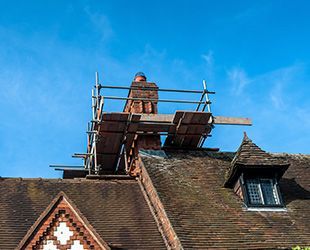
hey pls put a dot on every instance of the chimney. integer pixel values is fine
(148, 93)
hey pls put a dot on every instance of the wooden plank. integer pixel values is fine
(106, 144)
(170, 118)
(162, 118)
(196, 139)
(107, 157)
(202, 118)
(177, 116)
(154, 127)
(107, 161)
(190, 128)
(187, 118)
(132, 128)
(115, 116)
(185, 140)
(112, 132)
(171, 139)
(182, 127)
(109, 143)
(186, 128)
(111, 126)
(222, 120)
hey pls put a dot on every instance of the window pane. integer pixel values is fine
(269, 192)
(254, 192)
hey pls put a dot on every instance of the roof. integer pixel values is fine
(249, 156)
(116, 209)
(204, 214)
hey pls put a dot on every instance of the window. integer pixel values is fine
(262, 192)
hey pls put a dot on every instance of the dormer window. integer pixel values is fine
(262, 192)
(254, 176)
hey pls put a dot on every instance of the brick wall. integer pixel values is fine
(150, 141)
(137, 91)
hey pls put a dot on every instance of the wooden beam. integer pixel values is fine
(222, 120)
(165, 118)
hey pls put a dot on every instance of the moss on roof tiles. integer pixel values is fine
(204, 214)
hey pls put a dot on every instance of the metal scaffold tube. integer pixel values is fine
(154, 100)
(156, 89)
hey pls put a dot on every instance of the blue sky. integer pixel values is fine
(254, 54)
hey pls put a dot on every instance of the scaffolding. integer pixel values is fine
(112, 136)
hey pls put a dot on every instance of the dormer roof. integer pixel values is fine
(250, 156)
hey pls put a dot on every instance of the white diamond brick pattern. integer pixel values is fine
(49, 245)
(77, 245)
(63, 233)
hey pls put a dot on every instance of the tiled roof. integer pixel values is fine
(251, 155)
(116, 209)
(204, 214)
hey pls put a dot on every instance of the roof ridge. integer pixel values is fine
(289, 154)
(61, 180)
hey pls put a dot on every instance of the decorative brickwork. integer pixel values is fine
(144, 90)
(61, 227)
(139, 90)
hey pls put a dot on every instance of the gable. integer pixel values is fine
(61, 226)
(116, 208)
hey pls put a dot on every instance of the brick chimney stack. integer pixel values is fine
(139, 89)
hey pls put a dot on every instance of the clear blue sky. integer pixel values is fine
(254, 54)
